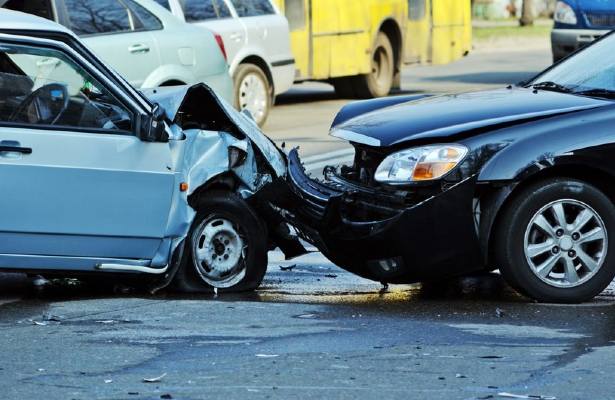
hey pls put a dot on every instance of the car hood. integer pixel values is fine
(212, 107)
(594, 5)
(444, 117)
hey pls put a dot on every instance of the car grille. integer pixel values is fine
(603, 20)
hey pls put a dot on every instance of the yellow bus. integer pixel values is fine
(359, 46)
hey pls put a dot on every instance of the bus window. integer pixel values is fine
(416, 9)
(295, 13)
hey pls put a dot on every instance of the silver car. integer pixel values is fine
(97, 178)
(257, 42)
(141, 40)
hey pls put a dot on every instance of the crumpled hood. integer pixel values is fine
(443, 117)
(174, 98)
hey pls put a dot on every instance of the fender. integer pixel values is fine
(247, 52)
(356, 108)
(576, 144)
(169, 72)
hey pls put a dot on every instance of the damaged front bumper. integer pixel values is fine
(381, 235)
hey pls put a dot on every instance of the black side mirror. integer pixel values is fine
(152, 125)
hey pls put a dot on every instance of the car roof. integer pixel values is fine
(15, 20)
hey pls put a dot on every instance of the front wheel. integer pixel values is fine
(553, 241)
(226, 247)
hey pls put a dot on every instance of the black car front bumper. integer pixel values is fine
(378, 235)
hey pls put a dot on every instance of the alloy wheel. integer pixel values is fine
(565, 243)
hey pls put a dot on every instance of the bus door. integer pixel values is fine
(351, 41)
(451, 30)
(418, 32)
(298, 14)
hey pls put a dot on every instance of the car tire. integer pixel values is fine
(378, 83)
(226, 247)
(253, 92)
(552, 242)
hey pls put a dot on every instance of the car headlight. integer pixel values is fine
(564, 14)
(420, 163)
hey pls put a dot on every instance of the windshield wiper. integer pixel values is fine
(552, 86)
(605, 93)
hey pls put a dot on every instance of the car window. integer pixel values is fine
(44, 87)
(592, 69)
(295, 13)
(416, 9)
(147, 20)
(252, 8)
(164, 3)
(202, 10)
(90, 17)
(40, 8)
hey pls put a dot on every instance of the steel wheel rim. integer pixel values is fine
(380, 66)
(219, 251)
(565, 243)
(253, 95)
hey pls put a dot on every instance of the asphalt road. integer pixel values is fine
(313, 331)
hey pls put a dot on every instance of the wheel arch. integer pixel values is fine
(226, 181)
(173, 82)
(497, 197)
(391, 29)
(262, 64)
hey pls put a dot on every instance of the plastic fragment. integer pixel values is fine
(526, 396)
(154, 380)
(267, 355)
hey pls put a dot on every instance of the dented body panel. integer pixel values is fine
(427, 230)
(119, 194)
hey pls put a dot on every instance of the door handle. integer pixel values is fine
(16, 149)
(138, 48)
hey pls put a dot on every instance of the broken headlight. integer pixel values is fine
(420, 163)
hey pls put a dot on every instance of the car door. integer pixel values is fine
(217, 17)
(116, 34)
(265, 28)
(76, 181)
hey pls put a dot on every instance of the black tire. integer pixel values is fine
(510, 240)
(229, 207)
(378, 83)
(243, 70)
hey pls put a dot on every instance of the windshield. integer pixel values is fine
(592, 71)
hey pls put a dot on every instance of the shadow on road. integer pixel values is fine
(322, 93)
(485, 77)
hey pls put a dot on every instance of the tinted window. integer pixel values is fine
(41, 86)
(201, 10)
(164, 3)
(40, 8)
(416, 9)
(252, 8)
(295, 13)
(148, 21)
(90, 17)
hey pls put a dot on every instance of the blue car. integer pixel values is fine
(578, 23)
(97, 177)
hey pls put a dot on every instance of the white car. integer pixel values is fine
(257, 41)
(140, 39)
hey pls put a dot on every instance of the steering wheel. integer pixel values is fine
(49, 101)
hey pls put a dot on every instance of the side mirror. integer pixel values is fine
(152, 125)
